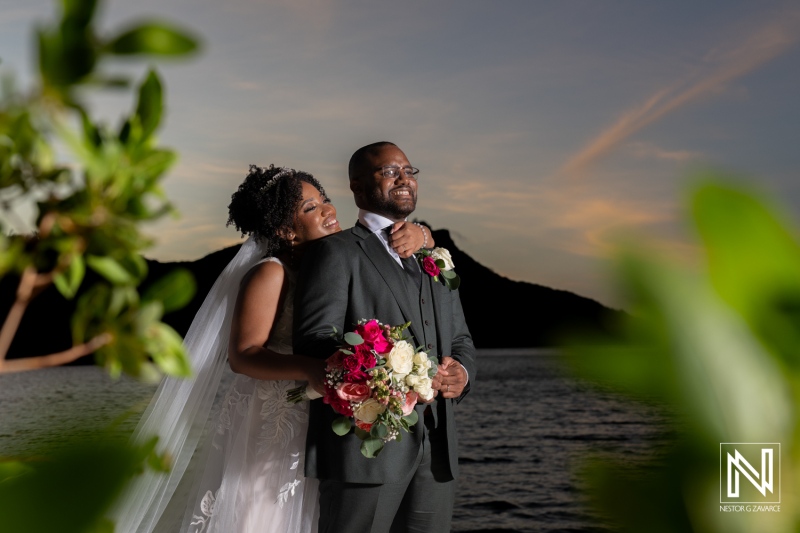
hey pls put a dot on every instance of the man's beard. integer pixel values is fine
(388, 208)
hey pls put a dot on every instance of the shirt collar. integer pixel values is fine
(373, 221)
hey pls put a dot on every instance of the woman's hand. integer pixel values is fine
(315, 375)
(406, 238)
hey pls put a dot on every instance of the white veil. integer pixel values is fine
(180, 407)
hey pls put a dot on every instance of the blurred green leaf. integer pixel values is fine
(150, 103)
(78, 13)
(110, 269)
(68, 282)
(174, 290)
(166, 348)
(76, 483)
(153, 38)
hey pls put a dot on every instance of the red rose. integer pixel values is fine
(353, 392)
(363, 425)
(351, 363)
(340, 406)
(366, 356)
(411, 401)
(429, 266)
(357, 376)
(373, 335)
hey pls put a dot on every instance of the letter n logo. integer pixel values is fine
(750, 472)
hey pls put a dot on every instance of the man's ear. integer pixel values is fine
(356, 187)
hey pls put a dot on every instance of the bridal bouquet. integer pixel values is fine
(374, 381)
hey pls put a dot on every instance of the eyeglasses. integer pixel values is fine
(393, 172)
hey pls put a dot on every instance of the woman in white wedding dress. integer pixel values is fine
(243, 464)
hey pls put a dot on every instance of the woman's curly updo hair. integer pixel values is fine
(266, 202)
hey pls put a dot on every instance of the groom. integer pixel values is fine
(356, 275)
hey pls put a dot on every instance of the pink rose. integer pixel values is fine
(372, 333)
(353, 392)
(429, 266)
(411, 401)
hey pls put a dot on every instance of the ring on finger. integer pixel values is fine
(448, 388)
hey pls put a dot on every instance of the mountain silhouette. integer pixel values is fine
(501, 313)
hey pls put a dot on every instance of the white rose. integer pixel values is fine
(420, 358)
(424, 390)
(369, 410)
(444, 255)
(400, 359)
(412, 380)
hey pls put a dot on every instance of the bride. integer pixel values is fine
(247, 476)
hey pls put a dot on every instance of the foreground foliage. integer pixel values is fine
(716, 347)
(91, 186)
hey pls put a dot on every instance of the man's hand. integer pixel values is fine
(451, 378)
(406, 238)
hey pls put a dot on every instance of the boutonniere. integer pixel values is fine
(437, 262)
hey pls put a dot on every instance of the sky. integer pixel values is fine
(542, 130)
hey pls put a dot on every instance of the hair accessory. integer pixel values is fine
(272, 180)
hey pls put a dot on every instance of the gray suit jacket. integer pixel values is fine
(346, 277)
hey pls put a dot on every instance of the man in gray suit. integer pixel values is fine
(353, 275)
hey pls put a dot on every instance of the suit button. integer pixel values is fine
(423, 300)
(427, 323)
(430, 346)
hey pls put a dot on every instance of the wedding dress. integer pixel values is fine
(237, 466)
(253, 476)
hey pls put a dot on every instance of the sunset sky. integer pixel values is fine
(542, 129)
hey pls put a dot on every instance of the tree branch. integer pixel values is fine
(56, 359)
(27, 283)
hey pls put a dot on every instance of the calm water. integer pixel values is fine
(522, 430)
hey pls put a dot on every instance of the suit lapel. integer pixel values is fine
(392, 275)
(442, 333)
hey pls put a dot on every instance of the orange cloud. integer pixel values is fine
(762, 46)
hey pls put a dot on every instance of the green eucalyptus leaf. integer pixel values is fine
(452, 283)
(448, 274)
(155, 38)
(353, 339)
(379, 430)
(411, 419)
(371, 447)
(341, 426)
(360, 433)
(174, 290)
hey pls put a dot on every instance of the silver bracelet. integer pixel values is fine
(424, 234)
